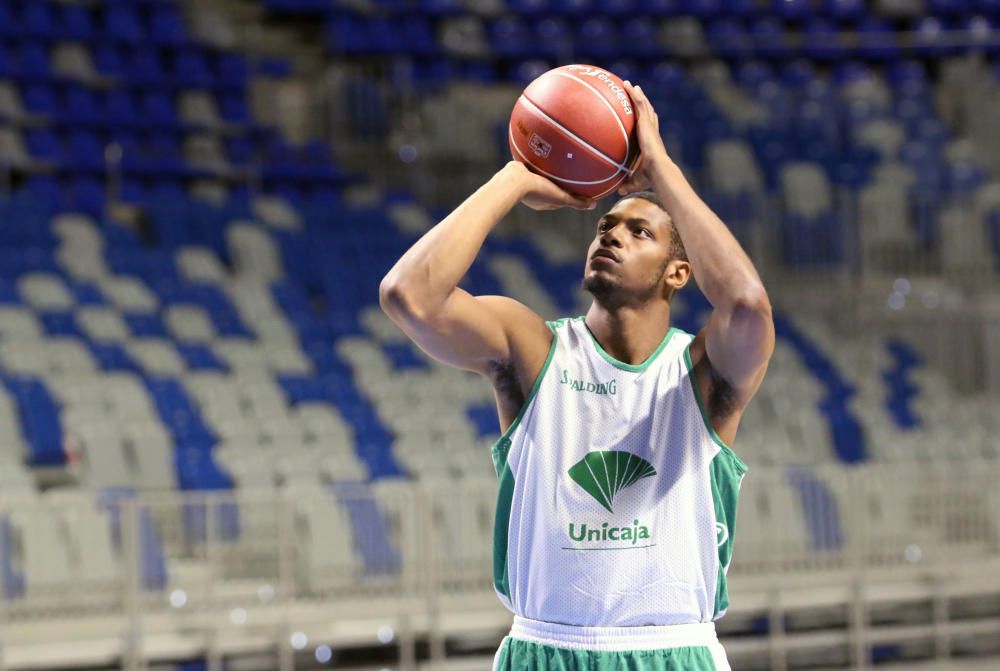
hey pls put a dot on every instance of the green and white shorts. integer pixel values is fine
(544, 646)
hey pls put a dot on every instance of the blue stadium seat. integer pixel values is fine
(844, 10)
(597, 39)
(121, 24)
(158, 109)
(877, 40)
(769, 38)
(233, 109)
(166, 27)
(8, 21)
(40, 100)
(43, 145)
(191, 69)
(232, 71)
(33, 58)
(37, 20)
(793, 10)
(84, 152)
(60, 323)
(510, 36)
(822, 40)
(112, 357)
(40, 421)
(108, 61)
(80, 107)
(86, 195)
(578, 8)
(120, 108)
(528, 7)
(146, 68)
(75, 22)
(729, 38)
(639, 37)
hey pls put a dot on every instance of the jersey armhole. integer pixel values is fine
(703, 409)
(500, 447)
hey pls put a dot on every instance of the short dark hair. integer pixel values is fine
(677, 250)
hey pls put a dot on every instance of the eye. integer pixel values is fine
(603, 225)
(645, 231)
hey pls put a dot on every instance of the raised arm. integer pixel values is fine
(421, 294)
(739, 337)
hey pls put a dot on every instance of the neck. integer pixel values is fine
(630, 334)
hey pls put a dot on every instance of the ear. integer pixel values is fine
(677, 274)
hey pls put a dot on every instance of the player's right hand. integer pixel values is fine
(541, 193)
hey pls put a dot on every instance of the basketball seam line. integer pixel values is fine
(594, 150)
(513, 143)
(628, 145)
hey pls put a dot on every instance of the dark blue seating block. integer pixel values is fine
(793, 10)
(844, 10)
(86, 293)
(33, 60)
(145, 325)
(60, 323)
(877, 40)
(40, 100)
(233, 109)
(145, 68)
(8, 22)
(43, 145)
(81, 108)
(231, 71)
(191, 69)
(484, 417)
(121, 23)
(770, 39)
(575, 8)
(597, 39)
(109, 61)
(84, 152)
(113, 357)
(75, 22)
(729, 38)
(702, 8)
(823, 41)
(9, 295)
(38, 20)
(40, 422)
(166, 27)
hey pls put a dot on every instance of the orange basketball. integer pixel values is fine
(576, 125)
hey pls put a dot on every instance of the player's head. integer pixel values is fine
(637, 255)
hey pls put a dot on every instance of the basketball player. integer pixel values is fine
(617, 500)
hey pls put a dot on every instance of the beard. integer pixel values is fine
(609, 292)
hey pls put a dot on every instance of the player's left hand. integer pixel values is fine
(652, 152)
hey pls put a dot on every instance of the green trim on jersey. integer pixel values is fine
(704, 410)
(501, 526)
(499, 449)
(630, 367)
(518, 655)
(505, 494)
(726, 473)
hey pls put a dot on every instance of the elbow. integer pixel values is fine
(396, 301)
(753, 300)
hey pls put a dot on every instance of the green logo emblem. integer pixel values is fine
(604, 474)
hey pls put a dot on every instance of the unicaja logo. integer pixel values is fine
(604, 474)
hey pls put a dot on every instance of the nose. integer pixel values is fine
(609, 238)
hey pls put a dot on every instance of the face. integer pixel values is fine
(629, 260)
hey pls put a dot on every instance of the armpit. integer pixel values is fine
(721, 397)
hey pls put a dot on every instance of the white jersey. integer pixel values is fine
(617, 500)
